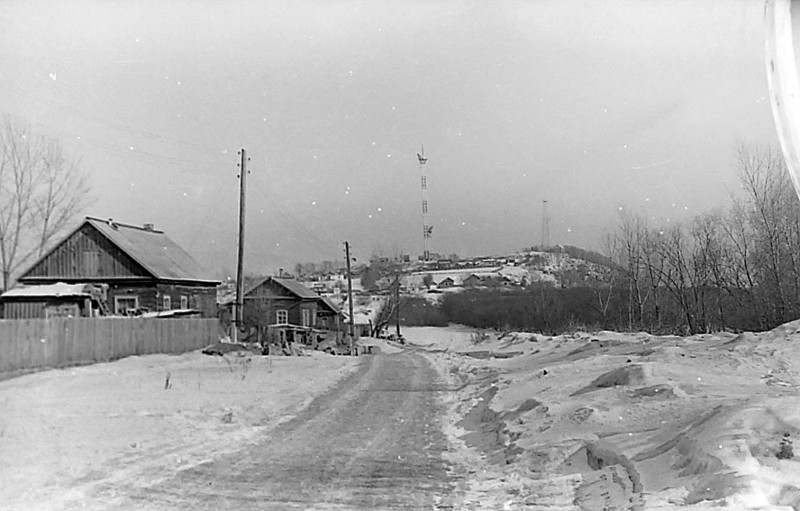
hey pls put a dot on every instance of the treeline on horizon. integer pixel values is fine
(730, 269)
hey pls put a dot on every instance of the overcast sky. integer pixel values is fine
(590, 105)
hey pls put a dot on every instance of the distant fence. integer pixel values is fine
(38, 343)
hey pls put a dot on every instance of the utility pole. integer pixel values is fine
(239, 304)
(397, 304)
(349, 294)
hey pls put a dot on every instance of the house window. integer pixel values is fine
(184, 302)
(167, 302)
(124, 305)
(282, 317)
(306, 317)
(91, 262)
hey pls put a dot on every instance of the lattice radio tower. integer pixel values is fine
(545, 226)
(427, 229)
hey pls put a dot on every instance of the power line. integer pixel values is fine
(110, 124)
(70, 137)
(317, 244)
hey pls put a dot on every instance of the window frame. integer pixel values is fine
(282, 313)
(121, 298)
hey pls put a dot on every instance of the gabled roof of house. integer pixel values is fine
(291, 285)
(151, 248)
(329, 303)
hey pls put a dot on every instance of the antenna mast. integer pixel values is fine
(545, 226)
(427, 230)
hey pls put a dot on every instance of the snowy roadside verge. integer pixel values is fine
(607, 420)
(65, 432)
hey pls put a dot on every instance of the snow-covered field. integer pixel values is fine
(623, 421)
(65, 432)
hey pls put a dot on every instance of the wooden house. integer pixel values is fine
(287, 311)
(141, 269)
(446, 282)
(281, 301)
(488, 279)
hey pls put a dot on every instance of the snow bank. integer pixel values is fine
(595, 420)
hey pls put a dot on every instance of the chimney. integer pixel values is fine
(148, 227)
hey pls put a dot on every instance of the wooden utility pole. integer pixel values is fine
(349, 294)
(397, 304)
(239, 304)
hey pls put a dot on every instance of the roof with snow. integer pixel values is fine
(59, 289)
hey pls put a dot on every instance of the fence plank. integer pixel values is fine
(56, 342)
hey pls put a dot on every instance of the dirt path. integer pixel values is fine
(374, 442)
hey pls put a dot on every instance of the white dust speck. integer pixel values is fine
(131, 148)
(379, 210)
(313, 203)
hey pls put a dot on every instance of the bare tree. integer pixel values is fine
(763, 176)
(41, 191)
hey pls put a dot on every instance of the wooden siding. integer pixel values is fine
(33, 309)
(147, 296)
(23, 310)
(87, 255)
(203, 299)
(40, 343)
(264, 310)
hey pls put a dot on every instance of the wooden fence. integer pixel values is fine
(37, 343)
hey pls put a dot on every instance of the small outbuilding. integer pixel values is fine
(58, 300)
